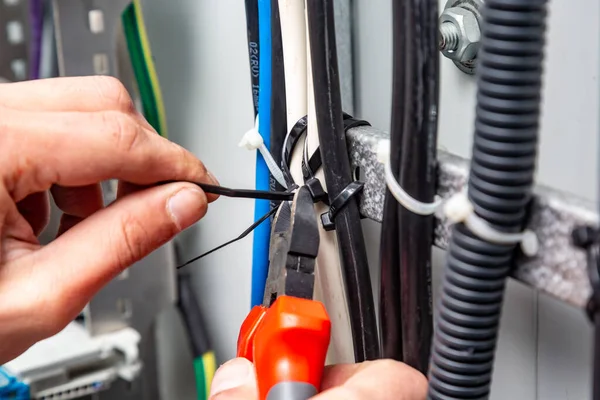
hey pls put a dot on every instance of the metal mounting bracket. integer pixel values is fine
(560, 267)
(90, 41)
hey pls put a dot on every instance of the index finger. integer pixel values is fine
(88, 93)
(81, 148)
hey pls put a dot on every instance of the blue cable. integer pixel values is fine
(260, 248)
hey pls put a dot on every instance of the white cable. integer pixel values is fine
(406, 200)
(329, 285)
(458, 208)
(293, 37)
(252, 140)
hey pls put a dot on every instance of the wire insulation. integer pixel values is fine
(390, 310)
(329, 285)
(195, 327)
(278, 93)
(143, 67)
(260, 246)
(253, 49)
(418, 162)
(336, 165)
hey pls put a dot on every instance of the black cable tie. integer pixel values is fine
(316, 190)
(240, 193)
(289, 143)
(350, 123)
(240, 237)
(315, 162)
(328, 218)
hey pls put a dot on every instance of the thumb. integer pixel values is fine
(89, 255)
(234, 380)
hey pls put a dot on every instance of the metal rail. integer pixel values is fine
(559, 269)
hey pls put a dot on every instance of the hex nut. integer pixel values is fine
(469, 33)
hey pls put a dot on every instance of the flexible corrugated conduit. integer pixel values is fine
(502, 171)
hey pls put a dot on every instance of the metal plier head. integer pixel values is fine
(293, 249)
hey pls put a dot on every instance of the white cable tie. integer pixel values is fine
(406, 200)
(458, 208)
(252, 140)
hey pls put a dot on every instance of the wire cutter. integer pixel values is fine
(287, 337)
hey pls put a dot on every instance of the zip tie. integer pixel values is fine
(252, 140)
(406, 200)
(459, 208)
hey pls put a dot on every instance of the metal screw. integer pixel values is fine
(449, 36)
(459, 32)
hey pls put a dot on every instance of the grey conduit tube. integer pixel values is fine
(501, 177)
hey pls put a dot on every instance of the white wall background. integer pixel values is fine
(200, 51)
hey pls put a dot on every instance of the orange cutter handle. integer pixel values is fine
(287, 342)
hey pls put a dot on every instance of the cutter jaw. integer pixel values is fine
(293, 249)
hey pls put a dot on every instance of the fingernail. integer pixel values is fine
(212, 178)
(186, 207)
(232, 374)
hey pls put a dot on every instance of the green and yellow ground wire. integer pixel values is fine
(154, 111)
(204, 370)
(143, 67)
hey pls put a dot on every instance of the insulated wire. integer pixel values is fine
(205, 367)
(260, 246)
(418, 177)
(329, 286)
(336, 165)
(293, 34)
(253, 49)
(390, 311)
(596, 365)
(143, 67)
(203, 356)
(278, 101)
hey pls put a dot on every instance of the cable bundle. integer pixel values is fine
(406, 315)
(502, 171)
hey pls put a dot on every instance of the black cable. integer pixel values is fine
(336, 167)
(241, 236)
(390, 310)
(253, 48)
(596, 376)
(190, 312)
(278, 103)
(502, 169)
(418, 176)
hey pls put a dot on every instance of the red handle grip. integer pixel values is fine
(287, 342)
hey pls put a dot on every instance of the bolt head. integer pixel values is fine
(469, 33)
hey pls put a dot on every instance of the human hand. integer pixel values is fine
(372, 380)
(65, 136)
